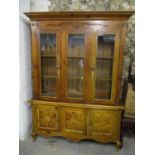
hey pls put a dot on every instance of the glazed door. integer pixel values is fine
(74, 51)
(49, 64)
(103, 67)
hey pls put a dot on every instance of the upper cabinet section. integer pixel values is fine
(78, 56)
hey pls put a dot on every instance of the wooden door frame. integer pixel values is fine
(37, 62)
(64, 69)
(115, 69)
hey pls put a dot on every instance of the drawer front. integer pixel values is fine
(73, 120)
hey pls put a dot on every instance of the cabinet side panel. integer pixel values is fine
(34, 59)
(120, 63)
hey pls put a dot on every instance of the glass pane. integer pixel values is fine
(75, 67)
(48, 44)
(103, 89)
(105, 45)
(76, 45)
(48, 64)
(104, 66)
(76, 48)
(48, 86)
(75, 87)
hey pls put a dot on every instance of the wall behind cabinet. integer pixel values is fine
(25, 89)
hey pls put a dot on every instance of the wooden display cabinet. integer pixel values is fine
(77, 62)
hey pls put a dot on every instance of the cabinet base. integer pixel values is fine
(77, 122)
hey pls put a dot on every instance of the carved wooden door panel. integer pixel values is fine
(101, 123)
(73, 121)
(47, 118)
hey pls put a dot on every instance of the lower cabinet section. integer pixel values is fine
(100, 123)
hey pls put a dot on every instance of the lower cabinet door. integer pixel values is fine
(73, 121)
(101, 124)
(47, 118)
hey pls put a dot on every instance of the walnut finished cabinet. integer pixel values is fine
(77, 62)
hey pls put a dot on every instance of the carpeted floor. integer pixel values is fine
(60, 146)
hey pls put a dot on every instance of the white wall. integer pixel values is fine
(25, 119)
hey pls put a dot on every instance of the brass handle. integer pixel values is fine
(58, 66)
(92, 71)
(93, 61)
(58, 72)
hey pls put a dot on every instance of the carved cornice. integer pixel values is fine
(97, 15)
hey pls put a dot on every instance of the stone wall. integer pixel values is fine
(97, 5)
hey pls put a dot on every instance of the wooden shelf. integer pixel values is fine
(49, 56)
(104, 79)
(75, 77)
(48, 76)
(104, 58)
(79, 57)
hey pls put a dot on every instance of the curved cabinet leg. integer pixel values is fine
(34, 136)
(118, 145)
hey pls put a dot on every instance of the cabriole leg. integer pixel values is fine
(34, 136)
(118, 145)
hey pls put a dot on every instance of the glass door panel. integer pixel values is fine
(48, 64)
(104, 66)
(76, 51)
